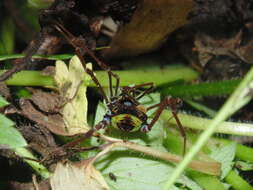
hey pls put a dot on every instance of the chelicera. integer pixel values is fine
(124, 111)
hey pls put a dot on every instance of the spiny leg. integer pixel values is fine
(75, 42)
(70, 146)
(102, 124)
(172, 103)
(146, 91)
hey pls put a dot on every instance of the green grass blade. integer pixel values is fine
(237, 182)
(218, 88)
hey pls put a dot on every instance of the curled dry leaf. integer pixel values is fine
(77, 176)
(149, 27)
(235, 47)
(72, 85)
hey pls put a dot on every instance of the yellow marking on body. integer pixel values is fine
(142, 108)
(136, 122)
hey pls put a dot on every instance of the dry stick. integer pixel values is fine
(25, 61)
(212, 168)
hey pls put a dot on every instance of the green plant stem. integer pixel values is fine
(47, 57)
(244, 153)
(204, 89)
(207, 182)
(35, 78)
(238, 99)
(237, 182)
(194, 122)
(40, 169)
(30, 78)
(40, 4)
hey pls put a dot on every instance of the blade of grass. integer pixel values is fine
(218, 88)
(35, 78)
(239, 98)
(200, 123)
(205, 180)
(47, 57)
(39, 4)
(237, 182)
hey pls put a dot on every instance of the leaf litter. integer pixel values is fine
(63, 113)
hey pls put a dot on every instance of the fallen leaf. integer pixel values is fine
(49, 102)
(151, 23)
(79, 176)
(72, 85)
(53, 122)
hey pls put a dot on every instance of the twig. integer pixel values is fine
(212, 168)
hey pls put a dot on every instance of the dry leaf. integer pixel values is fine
(49, 102)
(53, 122)
(81, 176)
(72, 84)
(149, 27)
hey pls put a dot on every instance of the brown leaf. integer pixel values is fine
(149, 27)
(208, 46)
(49, 102)
(53, 122)
(14, 185)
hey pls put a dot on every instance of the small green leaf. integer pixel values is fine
(9, 136)
(137, 171)
(225, 155)
(3, 102)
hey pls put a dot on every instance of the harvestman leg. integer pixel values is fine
(76, 43)
(72, 144)
(128, 89)
(100, 125)
(172, 103)
(79, 45)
